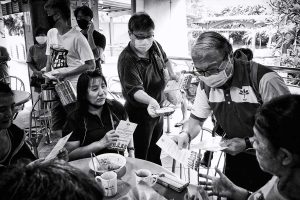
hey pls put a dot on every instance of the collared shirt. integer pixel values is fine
(145, 74)
(90, 128)
(235, 106)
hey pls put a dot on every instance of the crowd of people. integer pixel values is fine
(250, 103)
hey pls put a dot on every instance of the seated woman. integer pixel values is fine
(277, 142)
(95, 118)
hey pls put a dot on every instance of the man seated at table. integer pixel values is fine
(13, 148)
(12, 138)
(48, 182)
(276, 142)
(94, 121)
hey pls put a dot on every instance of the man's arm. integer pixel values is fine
(88, 65)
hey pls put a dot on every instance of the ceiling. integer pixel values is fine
(114, 5)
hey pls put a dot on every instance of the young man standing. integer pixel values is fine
(96, 40)
(68, 54)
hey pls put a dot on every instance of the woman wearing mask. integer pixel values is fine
(37, 59)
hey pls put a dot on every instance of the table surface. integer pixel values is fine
(21, 97)
(127, 182)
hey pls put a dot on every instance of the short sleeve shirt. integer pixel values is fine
(235, 105)
(100, 41)
(68, 51)
(37, 56)
(91, 128)
(145, 74)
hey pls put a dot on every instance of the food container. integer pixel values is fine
(66, 92)
(48, 92)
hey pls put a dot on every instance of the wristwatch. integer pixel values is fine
(248, 143)
(130, 148)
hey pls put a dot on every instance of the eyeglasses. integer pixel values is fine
(210, 72)
(142, 37)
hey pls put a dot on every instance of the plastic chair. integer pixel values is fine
(40, 120)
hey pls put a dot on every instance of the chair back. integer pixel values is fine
(14, 82)
(40, 120)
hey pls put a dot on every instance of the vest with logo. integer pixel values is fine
(234, 107)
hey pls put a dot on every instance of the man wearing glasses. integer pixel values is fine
(141, 68)
(227, 91)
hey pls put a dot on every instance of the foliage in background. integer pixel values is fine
(14, 24)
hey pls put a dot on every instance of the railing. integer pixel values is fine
(290, 81)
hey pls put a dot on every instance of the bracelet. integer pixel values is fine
(189, 136)
(248, 143)
(130, 148)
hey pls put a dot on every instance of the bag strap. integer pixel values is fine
(253, 68)
(160, 53)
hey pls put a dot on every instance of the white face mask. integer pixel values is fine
(41, 39)
(219, 79)
(143, 45)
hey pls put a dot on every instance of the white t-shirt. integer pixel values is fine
(68, 51)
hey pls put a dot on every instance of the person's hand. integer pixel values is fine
(152, 106)
(219, 186)
(63, 155)
(109, 138)
(38, 74)
(175, 77)
(182, 140)
(234, 146)
(200, 195)
(59, 76)
(91, 28)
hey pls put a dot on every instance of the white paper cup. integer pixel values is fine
(108, 181)
(145, 175)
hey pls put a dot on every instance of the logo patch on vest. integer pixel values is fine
(244, 92)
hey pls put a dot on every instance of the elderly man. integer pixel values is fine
(68, 54)
(227, 91)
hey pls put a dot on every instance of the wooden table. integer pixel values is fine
(127, 182)
(21, 97)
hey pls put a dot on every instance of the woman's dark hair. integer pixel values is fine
(4, 88)
(278, 121)
(40, 31)
(241, 52)
(52, 181)
(212, 40)
(140, 21)
(85, 10)
(82, 89)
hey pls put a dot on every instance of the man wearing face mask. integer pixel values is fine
(68, 55)
(227, 91)
(141, 71)
(97, 41)
(36, 57)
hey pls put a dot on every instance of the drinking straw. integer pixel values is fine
(95, 174)
(97, 159)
